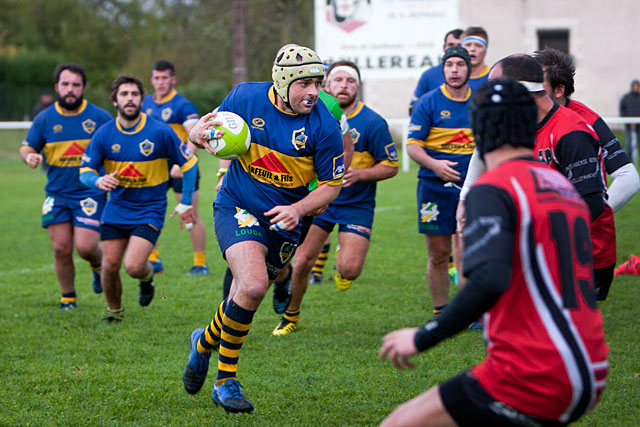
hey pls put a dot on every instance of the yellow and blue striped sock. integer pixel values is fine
(236, 322)
(211, 336)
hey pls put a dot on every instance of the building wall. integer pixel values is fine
(604, 39)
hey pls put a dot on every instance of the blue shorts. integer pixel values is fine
(176, 183)
(437, 204)
(124, 231)
(327, 226)
(233, 225)
(84, 213)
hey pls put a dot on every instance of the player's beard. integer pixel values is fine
(349, 100)
(72, 106)
(132, 116)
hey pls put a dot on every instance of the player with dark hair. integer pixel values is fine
(433, 78)
(264, 195)
(558, 83)
(136, 152)
(70, 212)
(529, 268)
(568, 143)
(440, 141)
(375, 159)
(170, 107)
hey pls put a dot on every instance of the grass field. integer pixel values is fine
(69, 368)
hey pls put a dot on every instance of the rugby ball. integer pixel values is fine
(236, 139)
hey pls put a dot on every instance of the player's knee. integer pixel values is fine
(86, 250)
(255, 290)
(349, 271)
(63, 251)
(136, 269)
(303, 263)
(439, 258)
(110, 266)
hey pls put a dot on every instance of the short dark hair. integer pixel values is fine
(455, 33)
(476, 31)
(559, 68)
(122, 79)
(521, 67)
(70, 66)
(346, 63)
(163, 65)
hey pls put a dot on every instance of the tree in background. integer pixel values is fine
(109, 37)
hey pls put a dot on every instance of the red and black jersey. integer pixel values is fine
(565, 141)
(546, 351)
(613, 155)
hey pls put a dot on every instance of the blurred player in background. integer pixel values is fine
(375, 159)
(168, 106)
(136, 152)
(529, 268)
(263, 197)
(70, 212)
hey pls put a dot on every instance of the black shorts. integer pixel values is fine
(176, 183)
(122, 231)
(602, 278)
(470, 405)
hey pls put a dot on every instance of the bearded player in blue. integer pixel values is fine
(263, 196)
(70, 212)
(136, 152)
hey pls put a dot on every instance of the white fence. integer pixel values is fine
(400, 126)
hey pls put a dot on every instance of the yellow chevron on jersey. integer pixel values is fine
(139, 174)
(454, 141)
(272, 167)
(66, 153)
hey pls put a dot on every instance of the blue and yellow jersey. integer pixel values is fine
(372, 144)
(440, 125)
(287, 151)
(434, 77)
(64, 139)
(174, 109)
(140, 159)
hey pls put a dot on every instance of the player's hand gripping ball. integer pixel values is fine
(236, 139)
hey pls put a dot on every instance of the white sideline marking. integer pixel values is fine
(42, 269)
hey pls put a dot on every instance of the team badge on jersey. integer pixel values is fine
(186, 152)
(245, 219)
(148, 111)
(445, 114)
(89, 126)
(355, 135)
(392, 153)
(115, 148)
(47, 206)
(286, 251)
(258, 122)
(299, 139)
(89, 206)
(57, 128)
(166, 113)
(338, 166)
(146, 147)
(429, 212)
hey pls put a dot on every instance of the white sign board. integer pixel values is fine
(387, 39)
